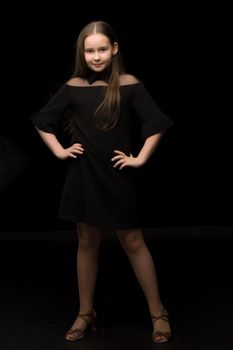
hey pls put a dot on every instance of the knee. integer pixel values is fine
(132, 243)
(89, 239)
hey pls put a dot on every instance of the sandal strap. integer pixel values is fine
(91, 315)
(156, 333)
(161, 334)
(166, 336)
(77, 333)
(161, 317)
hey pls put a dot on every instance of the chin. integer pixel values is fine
(98, 69)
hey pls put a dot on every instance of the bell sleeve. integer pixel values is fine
(152, 119)
(49, 118)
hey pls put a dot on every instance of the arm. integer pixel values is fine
(122, 160)
(56, 148)
(149, 147)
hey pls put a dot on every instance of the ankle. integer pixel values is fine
(158, 310)
(91, 314)
(84, 311)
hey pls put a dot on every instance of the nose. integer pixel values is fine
(96, 56)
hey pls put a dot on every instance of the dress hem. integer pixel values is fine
(101, 225)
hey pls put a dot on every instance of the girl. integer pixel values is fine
(100, 101)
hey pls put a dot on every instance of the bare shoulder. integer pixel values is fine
(128, 79)
(77, 81)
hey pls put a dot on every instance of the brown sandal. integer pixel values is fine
(78, 333)
(163, 336)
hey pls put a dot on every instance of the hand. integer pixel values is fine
(122, 160)
(72, 151)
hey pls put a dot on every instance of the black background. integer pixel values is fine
(181, 52)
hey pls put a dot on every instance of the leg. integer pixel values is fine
(87, 264)
(142, 263)
(89, 239)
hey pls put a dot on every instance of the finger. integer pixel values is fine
(77, 146)
(120, 162)
(119, 152)
(72, 155)
(117, 157)
(123, 166)
(74, 152)
(77, 149)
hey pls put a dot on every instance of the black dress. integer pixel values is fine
(95, 192)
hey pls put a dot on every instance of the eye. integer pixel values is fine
(88, 50)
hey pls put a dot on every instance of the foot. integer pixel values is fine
(162, 329)
(82, 324)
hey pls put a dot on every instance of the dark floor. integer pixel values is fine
(38, 293)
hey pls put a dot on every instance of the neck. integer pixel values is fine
(104, 75)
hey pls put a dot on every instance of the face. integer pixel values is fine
(98, 52)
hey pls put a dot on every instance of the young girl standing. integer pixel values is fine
(100, 101)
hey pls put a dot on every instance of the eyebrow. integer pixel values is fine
(100, 47)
